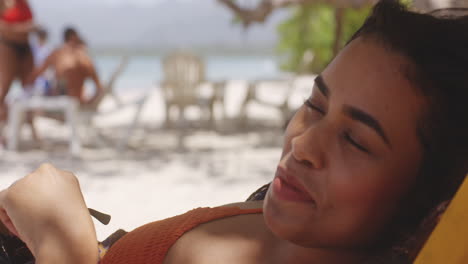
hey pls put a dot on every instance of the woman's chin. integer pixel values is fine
(284, 222)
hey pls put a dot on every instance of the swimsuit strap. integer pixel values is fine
(151, 242)
(19, 12)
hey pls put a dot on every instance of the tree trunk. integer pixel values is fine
(339, 16)
(303, 29)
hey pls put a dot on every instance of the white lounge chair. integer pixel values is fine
(90, 112)
(283, 107)
(184, 73)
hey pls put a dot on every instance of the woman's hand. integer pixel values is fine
(47, 211)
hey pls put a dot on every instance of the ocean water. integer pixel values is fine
(143, 72)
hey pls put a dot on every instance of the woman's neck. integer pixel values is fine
(287, 252)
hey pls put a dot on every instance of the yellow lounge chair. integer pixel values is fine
(448, 243)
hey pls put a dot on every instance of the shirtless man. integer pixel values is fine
(72, 67)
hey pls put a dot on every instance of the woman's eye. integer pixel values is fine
(309, 104)
(353, 142)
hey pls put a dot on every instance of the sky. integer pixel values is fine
(148, 24)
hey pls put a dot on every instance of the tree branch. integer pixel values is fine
(260, 13)
(249, 16)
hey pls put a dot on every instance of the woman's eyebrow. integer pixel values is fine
(355, 113)
(368, 120)
(321, 85)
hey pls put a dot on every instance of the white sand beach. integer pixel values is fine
(153, 178)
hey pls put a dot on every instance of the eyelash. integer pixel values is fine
(350, 139)
(346, 134)
(309, 104)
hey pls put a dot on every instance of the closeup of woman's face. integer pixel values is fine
(350, 153)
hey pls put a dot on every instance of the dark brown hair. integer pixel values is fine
(42, 34)
(68, 33)
(436, 47)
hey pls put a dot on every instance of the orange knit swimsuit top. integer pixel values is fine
(151, 242)
(19, 12)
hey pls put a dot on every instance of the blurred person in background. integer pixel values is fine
(41, 50)
(16, 59)
(72, 66)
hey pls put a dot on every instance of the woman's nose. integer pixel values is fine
(308, 148)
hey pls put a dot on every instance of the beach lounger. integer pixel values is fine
(285, 87)
(90, 112)
(184, 73)
(448, 242)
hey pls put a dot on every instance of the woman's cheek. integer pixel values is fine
(351, 183)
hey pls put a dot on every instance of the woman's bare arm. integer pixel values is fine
(49, 61)
(47, 211)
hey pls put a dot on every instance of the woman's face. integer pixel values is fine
(350, 153)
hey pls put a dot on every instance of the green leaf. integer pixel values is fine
(311, 27)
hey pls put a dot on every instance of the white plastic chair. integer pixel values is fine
(75, 117)
(62, 104)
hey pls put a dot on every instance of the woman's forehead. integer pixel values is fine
(370, 60)
(369, 77)
(369, 69)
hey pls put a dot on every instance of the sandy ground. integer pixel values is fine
(155, 177)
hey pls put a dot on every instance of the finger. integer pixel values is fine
(6, 225)
(3, 229)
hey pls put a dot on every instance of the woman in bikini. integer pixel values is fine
(16, 59)
(380, 142)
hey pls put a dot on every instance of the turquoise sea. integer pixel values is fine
(143, 72)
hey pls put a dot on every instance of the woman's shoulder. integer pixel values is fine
(216, 238)
(234, 217)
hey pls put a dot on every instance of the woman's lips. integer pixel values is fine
(285, 187)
